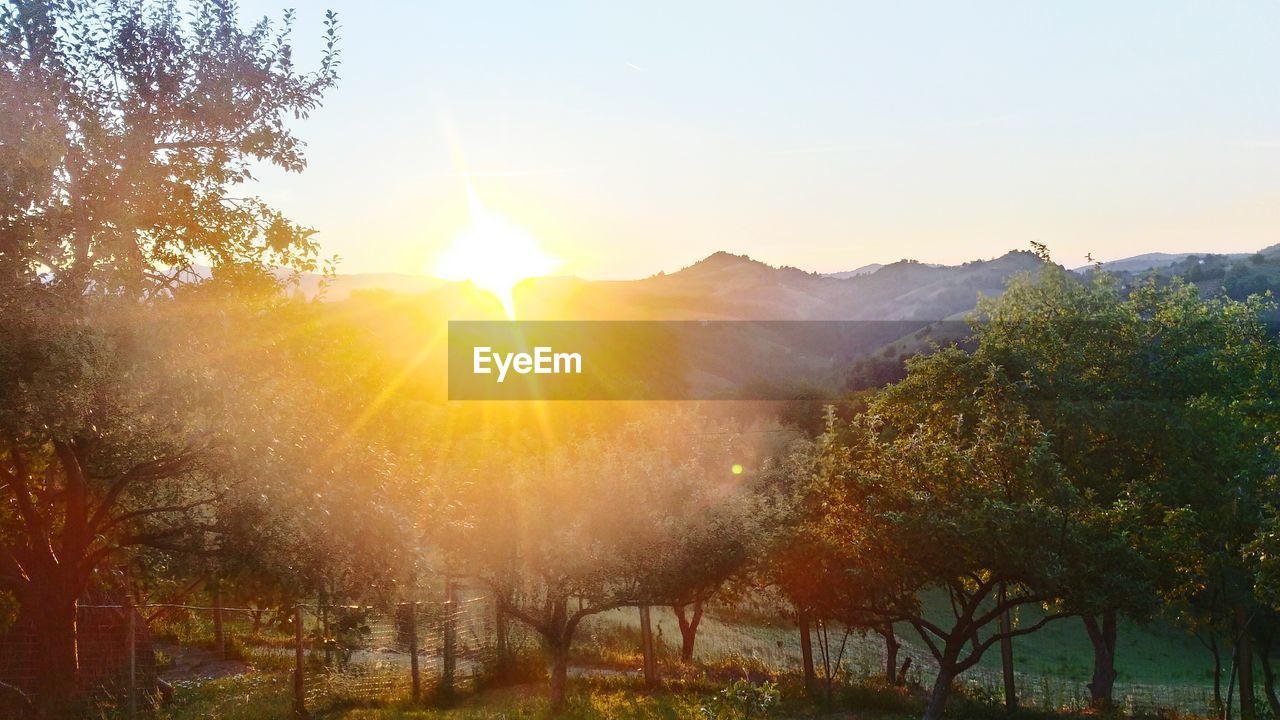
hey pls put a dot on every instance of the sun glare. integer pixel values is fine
(494, 254)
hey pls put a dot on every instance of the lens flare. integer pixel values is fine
(493, 254)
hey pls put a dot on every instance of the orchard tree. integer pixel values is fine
(128, 130)
(648, 512)
(1218, 360)
(948, 484)
(1081, 350)
(807, 567)
(1155, 400)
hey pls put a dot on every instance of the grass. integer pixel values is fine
(258, 696)
(1157, 664)
(1053, 664)
(1155, 653)
(1152, 653)
(607, 698)
(250, 698)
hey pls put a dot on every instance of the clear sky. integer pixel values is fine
(636, 137)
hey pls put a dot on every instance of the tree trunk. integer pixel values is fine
(500, 631)
(1103, 637)
(1244, 661)
(1217, 671)
(1006, 659)
(806, 652)
(940, 694)
(58, 683)
(55, 578)
(688, 628)
(559, 676)
(891, 648)
(1269, 682)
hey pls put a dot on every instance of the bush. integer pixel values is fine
(742, 701)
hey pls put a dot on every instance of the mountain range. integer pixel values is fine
(728, 286)
(920, 298)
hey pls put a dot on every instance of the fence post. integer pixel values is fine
(413, 650)
(131, 617)
(219, 640)
(500, 630)
(646, 647)
(449, 652)
(299, 690)
(806, 652)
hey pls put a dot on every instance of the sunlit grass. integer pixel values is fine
(256, 696)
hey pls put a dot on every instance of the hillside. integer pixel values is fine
(897, 310)
(735, 287)
(1237, 276)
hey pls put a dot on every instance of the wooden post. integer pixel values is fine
(219, 640)
(133, 658)
(449, 651)
(500, 632)
(324, 629)
(646, 648)
(806, 652)
(299, 657)
(413, 651)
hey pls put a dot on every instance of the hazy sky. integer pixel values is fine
(636, 137)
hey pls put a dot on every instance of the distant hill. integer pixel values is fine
(908, 305)
(1234, 275)
(901, 306)
(340, 287)
(864, 270)
(1147, 261)
(723, 286)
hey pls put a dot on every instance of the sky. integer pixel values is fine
(630, 138)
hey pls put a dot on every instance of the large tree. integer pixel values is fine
(128, 130)
(1154, 400)
(947, 484)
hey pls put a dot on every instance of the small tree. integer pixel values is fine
(647, 513)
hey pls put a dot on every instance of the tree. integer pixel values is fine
(1154, 400)
(808, 567)
(126, 128)
(1080, 349)
(948, 483)
(648, 512)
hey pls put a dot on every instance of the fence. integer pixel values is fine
(133, 659)
(754, 641)
(314, 655)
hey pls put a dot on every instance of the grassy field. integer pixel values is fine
(597, 698)
(1159, 668)
(1154, 655)
(621, 698)
(1150, 653)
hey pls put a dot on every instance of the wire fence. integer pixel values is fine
(412, 651)
(748, 642)
(135, 659)
(308, 657)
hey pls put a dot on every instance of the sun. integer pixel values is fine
(493, 254)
